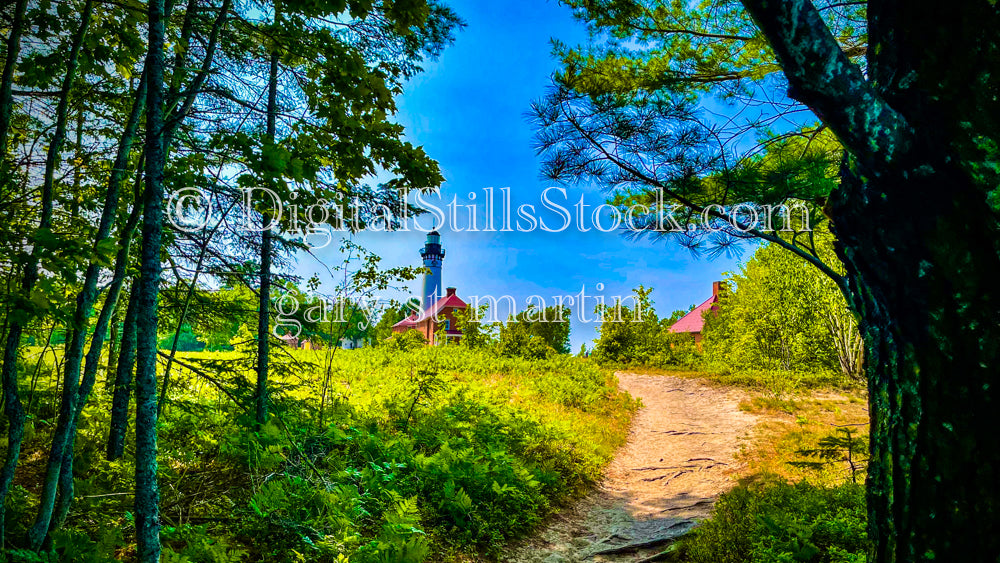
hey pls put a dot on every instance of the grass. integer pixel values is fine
(430, 454)
(781, 509)
(789, 426)
(796, 412)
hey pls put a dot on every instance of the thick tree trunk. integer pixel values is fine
(921, 244)
(147, 494)
(15, 419)
(924, 281)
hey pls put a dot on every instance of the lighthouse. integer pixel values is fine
(433, 256)
(436, 321)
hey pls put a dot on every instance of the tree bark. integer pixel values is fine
(12, 52)
(921, 246)
(114, 346)
(931, 356)
(264, 303)
(170, 126)
(147, 496)
(123, 381)
(92, 362)
(12, 401)
(65, 426)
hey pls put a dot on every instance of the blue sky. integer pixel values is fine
(467, 111)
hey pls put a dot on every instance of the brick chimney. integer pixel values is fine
(450, 291)
(717, 288)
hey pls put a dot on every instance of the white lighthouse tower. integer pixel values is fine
(433, 256)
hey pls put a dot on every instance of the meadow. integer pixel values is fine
(382, 454)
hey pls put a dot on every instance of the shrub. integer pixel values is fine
(423, 453)
(777, 522)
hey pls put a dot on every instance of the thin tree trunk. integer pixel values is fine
(123, 381)
(184, 310)
(170, 127)
(7, 81)
(93, 360)
(263, 325)
(12, 402)
(114, 340)
(264, 308)
(84, 302)
(38, 368)
(147, 495)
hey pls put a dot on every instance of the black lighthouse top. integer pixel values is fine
(432, 248)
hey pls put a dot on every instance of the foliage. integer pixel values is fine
(422, 454)
(551, 324)
(187, 342)
(635, 336)
(406, 341)
(843, 446)
(390, 316)
(779, 313)
(475, 333)
(779, 522)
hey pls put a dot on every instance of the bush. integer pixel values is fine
(777, 522)
(424, 453)
(636, 337)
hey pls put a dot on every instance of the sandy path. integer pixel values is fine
(679, 457)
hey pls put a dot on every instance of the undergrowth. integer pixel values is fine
(433, 453)
(778, 522)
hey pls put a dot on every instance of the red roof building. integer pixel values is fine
(441, 315)
(694, 322)
(438, 312)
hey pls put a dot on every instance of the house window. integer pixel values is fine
(447, 324)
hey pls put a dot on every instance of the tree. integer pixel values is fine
(551, 324)
(76, 83)
(475, 333)
(147, 494)
(533, 332)
(635, 335)
(910, 189)
(778, 313)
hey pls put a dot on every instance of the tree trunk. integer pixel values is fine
(170, 127)
(123, 381)
(93, 360)
(920, 242)
(147, 496)
(12, 402)
(933, 347)
(11, 54)
(65, 426)
(264, 308)
(114, 342)
(263, 325)
(203, 251)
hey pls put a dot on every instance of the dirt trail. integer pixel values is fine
(679, 457)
